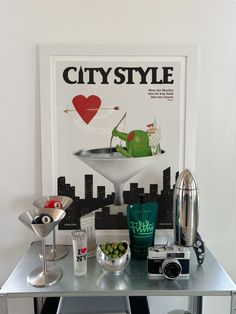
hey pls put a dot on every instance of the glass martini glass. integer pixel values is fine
(45, 275)
(115, 167)
(54, 252)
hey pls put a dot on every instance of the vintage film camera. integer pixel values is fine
(170, 262)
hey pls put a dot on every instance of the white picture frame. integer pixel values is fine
(50, 54)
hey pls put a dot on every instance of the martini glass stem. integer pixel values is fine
(44, 257)
(54, 240)
(119, 199)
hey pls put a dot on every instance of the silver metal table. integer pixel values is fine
(208, 280)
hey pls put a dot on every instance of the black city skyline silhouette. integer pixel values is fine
(103, 218)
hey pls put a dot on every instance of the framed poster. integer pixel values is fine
(146, 93)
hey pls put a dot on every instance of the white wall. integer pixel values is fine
(210, 24)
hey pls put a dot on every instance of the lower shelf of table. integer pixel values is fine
(94, 305)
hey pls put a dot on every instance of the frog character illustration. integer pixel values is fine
(137, 143)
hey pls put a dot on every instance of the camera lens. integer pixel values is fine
(171, 268)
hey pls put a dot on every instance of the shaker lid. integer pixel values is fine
(186, 181)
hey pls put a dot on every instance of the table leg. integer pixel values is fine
(233, 303)
(3, 304)
(38, 305)
(195, 304)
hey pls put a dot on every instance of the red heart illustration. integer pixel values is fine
(86, 107)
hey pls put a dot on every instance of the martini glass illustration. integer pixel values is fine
(54, 252)
(43, 276)
(115, 167)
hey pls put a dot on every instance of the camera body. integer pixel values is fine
(170, 262)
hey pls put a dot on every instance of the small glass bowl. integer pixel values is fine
(110, 265)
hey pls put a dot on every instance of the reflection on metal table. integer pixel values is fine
(208, 280)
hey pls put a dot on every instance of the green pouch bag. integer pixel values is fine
(141, 218)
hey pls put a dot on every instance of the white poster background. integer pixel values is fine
(142, 102)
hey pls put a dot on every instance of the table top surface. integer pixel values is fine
(209, 279)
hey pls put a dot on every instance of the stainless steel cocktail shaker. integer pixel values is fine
(185, 209)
